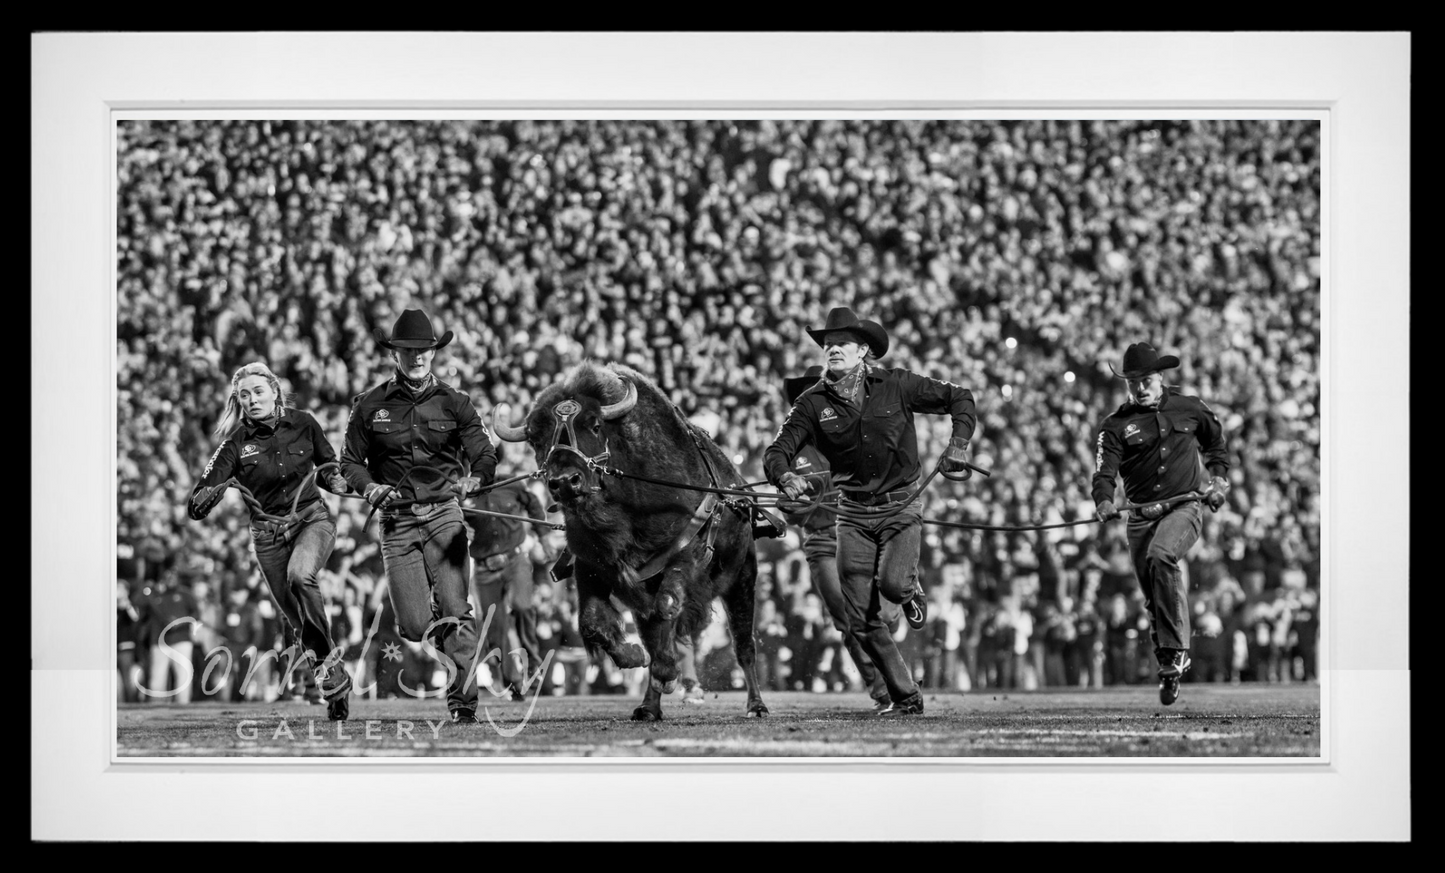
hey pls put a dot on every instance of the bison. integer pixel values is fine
(664, 551)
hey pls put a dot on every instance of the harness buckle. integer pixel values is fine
(766, 525)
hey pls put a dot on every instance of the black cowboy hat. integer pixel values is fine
(795, 385)
(412, 331)
(1141, 359)
(842, 318)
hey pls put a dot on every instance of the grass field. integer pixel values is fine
(1208, 721)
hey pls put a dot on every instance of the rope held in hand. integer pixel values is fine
(465, 509)
(783, 503)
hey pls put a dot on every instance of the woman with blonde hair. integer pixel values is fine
(271, 449)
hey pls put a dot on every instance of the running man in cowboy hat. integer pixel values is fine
(1165, 445)
(860, 417)
(820, 547)
(409, 422)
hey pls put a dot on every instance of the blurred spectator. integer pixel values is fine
(1210, 645)
(1121, 635)
(771, 635)
(942, 639)
(1059, 633)
(167, 618)
(805, 641)
(1085, 657)
(243, 639)
(570, 655)
(1305, 631)
(127, 630)
(206, 638)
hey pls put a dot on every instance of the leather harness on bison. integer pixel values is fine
(665, 552)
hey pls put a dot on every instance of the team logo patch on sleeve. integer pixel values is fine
(249, 450)
(827, 414)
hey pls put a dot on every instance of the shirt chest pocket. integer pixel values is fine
(885, 422)
(389, 432)
(296, 457)
(439, 433)
(1135, 436)
(836, 430)
(250, 470)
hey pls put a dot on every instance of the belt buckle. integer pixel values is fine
(422, 510)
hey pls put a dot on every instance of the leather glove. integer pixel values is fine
(955, 459)
(1215, 493)
(467, 486)
(793, 485)
(205, 500)
(336, 483)
(1152, 511)
(379, 495)
(1105, 511)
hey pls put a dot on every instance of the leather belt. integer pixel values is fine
(277, 530)
(867, 499)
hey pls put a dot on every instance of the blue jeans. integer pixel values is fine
(426, 563)
(822, 558)
(878, 569)
(1157, 548)
(290, 566)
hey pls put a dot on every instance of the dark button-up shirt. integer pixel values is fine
(392, 430)
(496, 536)
(1162, 452)
(872, 447)
(272, 462)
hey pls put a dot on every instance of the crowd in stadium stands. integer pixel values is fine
(1016, 258)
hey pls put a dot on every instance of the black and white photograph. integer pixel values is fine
(571, 439)
(858, 437)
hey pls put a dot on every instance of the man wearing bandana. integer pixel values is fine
(415, 447)
(1164, 445)
(860, 418)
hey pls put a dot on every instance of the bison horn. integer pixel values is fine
(621, 407)
(507, 432)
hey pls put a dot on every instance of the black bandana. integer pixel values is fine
(850, 385)
(415, 386)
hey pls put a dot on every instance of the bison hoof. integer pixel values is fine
(664, 687)
(757, 710)
(667, 607)
(642, 713)
(631, 655)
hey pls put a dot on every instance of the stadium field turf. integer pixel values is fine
(1208, 721)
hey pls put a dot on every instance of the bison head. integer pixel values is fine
(568, 429)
